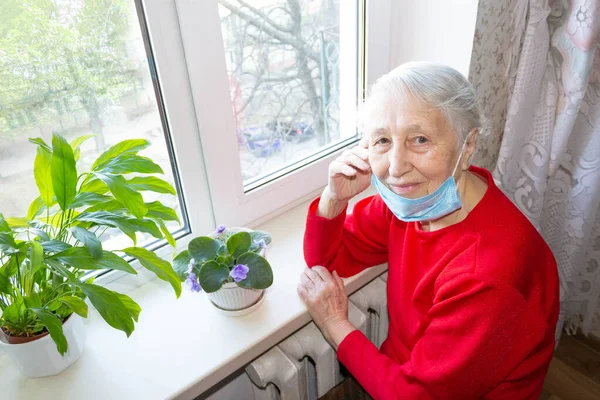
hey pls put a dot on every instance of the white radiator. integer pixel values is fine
(304, 365)
(371, 299)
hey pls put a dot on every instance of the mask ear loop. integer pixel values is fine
(462, 152)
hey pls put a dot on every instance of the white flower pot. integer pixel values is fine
(231, 297)
(40, 358)
(233, 300)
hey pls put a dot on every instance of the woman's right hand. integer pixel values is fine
(349, 174)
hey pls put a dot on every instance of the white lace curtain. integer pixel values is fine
(536, 68)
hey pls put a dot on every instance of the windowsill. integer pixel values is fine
(182, 347)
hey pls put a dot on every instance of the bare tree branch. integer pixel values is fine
(282, 37)
(266, 17)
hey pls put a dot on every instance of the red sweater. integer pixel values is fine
(473, 307)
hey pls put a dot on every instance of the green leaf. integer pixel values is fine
(128, 226)
(88, 199)
(133, 307)
(4, 227)
(130, 163)
(157, 210)
(32, 301)
(181, 263)
(222, 250)
(64, 173)
(38, 233)
(42, 172)
(94, 186)
(79, 257)
(157, 265)
(7, 270)
(35, 208)
(124, 194)
(55, 246)
(124, 147)
(89, 240)
(239, 243)
(212, 275)
(8, 244)
(151, 183)
(145, 225)
(166, 232)
(10, 267)
(36, 256)
(227, 260)
(17, 222)
(5, 285)
(75, 304)
(257, 236)
(75, 145)
(54, 326)
(260, 274)
(110, 306)
(15, 310)
(203, 248)
(111, 205)
(40, 142)
(60, 270)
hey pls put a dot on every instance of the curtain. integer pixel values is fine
(536, 68)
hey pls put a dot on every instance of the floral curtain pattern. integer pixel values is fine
(536, 68)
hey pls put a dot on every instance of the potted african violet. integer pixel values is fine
(229, 265)
(45, 257)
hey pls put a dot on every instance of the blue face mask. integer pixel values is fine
(443, 201)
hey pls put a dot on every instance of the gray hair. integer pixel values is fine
(437, 85)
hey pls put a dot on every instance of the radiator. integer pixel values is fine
(304, 366)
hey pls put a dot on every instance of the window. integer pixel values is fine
(245, 102)
(276, 84)
(78, 68)
(285, 61)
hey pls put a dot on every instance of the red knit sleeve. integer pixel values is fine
(480, 331)
(348, 243)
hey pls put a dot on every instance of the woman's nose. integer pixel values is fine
(399, 161)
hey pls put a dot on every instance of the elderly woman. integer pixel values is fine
(472, 287)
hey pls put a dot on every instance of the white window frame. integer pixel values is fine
(162, 23)
(208, 162)
(205, 57)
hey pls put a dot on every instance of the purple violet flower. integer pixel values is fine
(239, 273)
(192, 283)
(220, 229)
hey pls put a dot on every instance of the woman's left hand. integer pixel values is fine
(326, 300)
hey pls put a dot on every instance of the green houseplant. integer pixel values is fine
(45, 256)
(229, 265)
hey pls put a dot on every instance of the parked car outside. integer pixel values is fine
(292, 132)
(261, 140)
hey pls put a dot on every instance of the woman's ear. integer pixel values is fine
(470, 147)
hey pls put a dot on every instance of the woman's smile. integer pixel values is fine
(405, 189)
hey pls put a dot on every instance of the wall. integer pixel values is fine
(433, 30)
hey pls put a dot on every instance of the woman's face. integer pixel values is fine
(412, 147)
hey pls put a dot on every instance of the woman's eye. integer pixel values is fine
(421, 140)
(382, 140)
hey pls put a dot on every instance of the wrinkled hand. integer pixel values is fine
(349, 174)
(327, 302)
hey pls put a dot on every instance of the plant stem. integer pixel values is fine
(105, 228)
(54, 290)
(20, 282)
(48, 225)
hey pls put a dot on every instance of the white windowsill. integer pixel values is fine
(182, 347)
